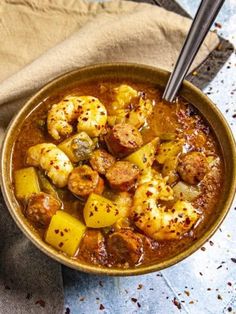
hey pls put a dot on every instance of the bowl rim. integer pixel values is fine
(93, 269)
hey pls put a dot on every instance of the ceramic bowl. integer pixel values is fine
(139, 73)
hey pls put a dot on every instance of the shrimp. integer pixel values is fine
(51, 159)
(138, 115)
(123, 96)
(155, 220)
(89, 111)
(93, 117)
(125, 110)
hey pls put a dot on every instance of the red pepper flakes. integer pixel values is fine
(187, 292)
(67, 310)
(176, 303)
(40, 302)
(233, 260)
(134, 300)
(218, 25)
(101, 307)
(140, 286)
(100, 283)
(82, 299)
(229, 283)
(203, 248)
(230, 309)
(138, 304)
(219, 297)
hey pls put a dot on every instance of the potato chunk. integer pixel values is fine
(100, 212)
(170, 169)
(169, 149)
(26, 183)
(65, 232)
(144, 156)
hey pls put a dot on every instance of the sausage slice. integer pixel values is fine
(123, 140)
(125, 246)
(101, 160)
(192, 167)
(40, 209)
(92, 248)
(122, 175)
(83, 180)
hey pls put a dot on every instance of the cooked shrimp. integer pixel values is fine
(89, 111)
(126, 111)
(123, 96)
(93, 117)
(51, 159)
(156, 221)
(138, 115)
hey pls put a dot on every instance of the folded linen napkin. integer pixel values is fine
(127, 31)
(38, 41)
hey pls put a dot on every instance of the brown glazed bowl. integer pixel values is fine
(139, 73)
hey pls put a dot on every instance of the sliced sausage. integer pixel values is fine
(101, 160)
(125, 246)
(123, 139)
(122, 175)
(100, 186)
(192, 167)
(83, 180)
(40, 209)
(92, 248)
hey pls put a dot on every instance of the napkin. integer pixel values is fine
(40, 39)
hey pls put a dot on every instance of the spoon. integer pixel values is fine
(201, 24)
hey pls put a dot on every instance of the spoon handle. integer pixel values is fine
(201, 24)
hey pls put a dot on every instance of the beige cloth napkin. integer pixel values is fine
(40, 39)
(127, 31)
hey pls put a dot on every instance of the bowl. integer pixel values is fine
(139, 73)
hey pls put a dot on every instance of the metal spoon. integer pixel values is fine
(201, 24)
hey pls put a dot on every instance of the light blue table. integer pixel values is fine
(204, 282)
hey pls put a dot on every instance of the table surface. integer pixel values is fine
(203, 283)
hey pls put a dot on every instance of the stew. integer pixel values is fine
(109, 174)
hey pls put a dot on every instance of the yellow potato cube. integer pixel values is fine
(26, 182)
(65, 232)
(100, 212)
(144, 156)
(168, 150)
(169, 169)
